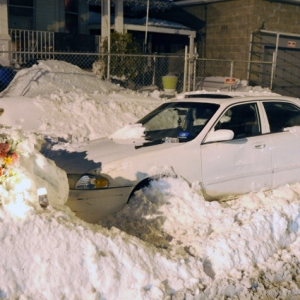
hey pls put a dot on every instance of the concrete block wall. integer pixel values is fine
(277, 16)
(230, 24)
(228, 30)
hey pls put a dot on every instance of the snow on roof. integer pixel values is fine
(156, 22)
(95, 18)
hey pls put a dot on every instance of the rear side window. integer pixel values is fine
(242, 119)
(281, 115)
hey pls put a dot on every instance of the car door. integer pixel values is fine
(242, 164)
(284, 122)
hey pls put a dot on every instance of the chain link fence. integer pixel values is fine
(227, 74)
(140, 71)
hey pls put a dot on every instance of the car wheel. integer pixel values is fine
(140, 185)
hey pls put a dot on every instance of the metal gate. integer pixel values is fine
(31, 45)
(283, 49)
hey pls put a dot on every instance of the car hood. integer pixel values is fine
(95, 153)
(106, 150)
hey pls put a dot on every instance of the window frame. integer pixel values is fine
(256, 127)
(276, 128)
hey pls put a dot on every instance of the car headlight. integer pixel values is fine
(90, 182)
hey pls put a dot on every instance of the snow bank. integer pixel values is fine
(63, 102)
(52, 75)
(34, 171)
(168, 243)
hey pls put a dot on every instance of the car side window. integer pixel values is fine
(281, 115)
(242, 119)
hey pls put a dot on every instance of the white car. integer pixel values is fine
(232, 145)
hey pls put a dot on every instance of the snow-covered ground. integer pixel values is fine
(168, 243)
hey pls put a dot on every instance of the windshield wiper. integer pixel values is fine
(159, 141)
(151, 143)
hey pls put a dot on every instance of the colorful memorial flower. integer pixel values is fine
(8, 158)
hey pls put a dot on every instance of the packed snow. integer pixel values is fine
(167, 243)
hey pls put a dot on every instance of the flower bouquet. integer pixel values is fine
(8, 158)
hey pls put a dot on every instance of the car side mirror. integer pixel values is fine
(219, 136)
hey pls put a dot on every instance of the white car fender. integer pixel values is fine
(151, 161)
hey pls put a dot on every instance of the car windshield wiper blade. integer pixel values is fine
(159, 141)
(151, 143)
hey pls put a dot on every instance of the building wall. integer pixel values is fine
(83, 21)
(50, 15)
(228, 29)
(57, 8)
(20, 16)
(277, 16)
(230, 24)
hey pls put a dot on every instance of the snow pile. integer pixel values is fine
(68, 259)
(133, 131)
(229, 235)
(52, 75)
(33, 171)
(167, 243)
(55, 99)
(36, 242)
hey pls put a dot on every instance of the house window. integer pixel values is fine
(71, 16)
(28, 3)
(20, 14)
(71, 6)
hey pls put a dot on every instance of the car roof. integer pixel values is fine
(230, 97)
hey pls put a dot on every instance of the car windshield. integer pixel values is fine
(177, 121)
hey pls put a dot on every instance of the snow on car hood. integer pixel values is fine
(92, 154)
(107, 150)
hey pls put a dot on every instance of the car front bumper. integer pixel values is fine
(94, 205)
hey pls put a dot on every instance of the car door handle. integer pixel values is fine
(259, 146)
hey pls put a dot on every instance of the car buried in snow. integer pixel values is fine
(230, 144)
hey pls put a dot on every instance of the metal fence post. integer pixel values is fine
(273, 70)
(189, 72)
(231, 68)
(231, 72)
(185, 69)
(195, 67)
(154, 69)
